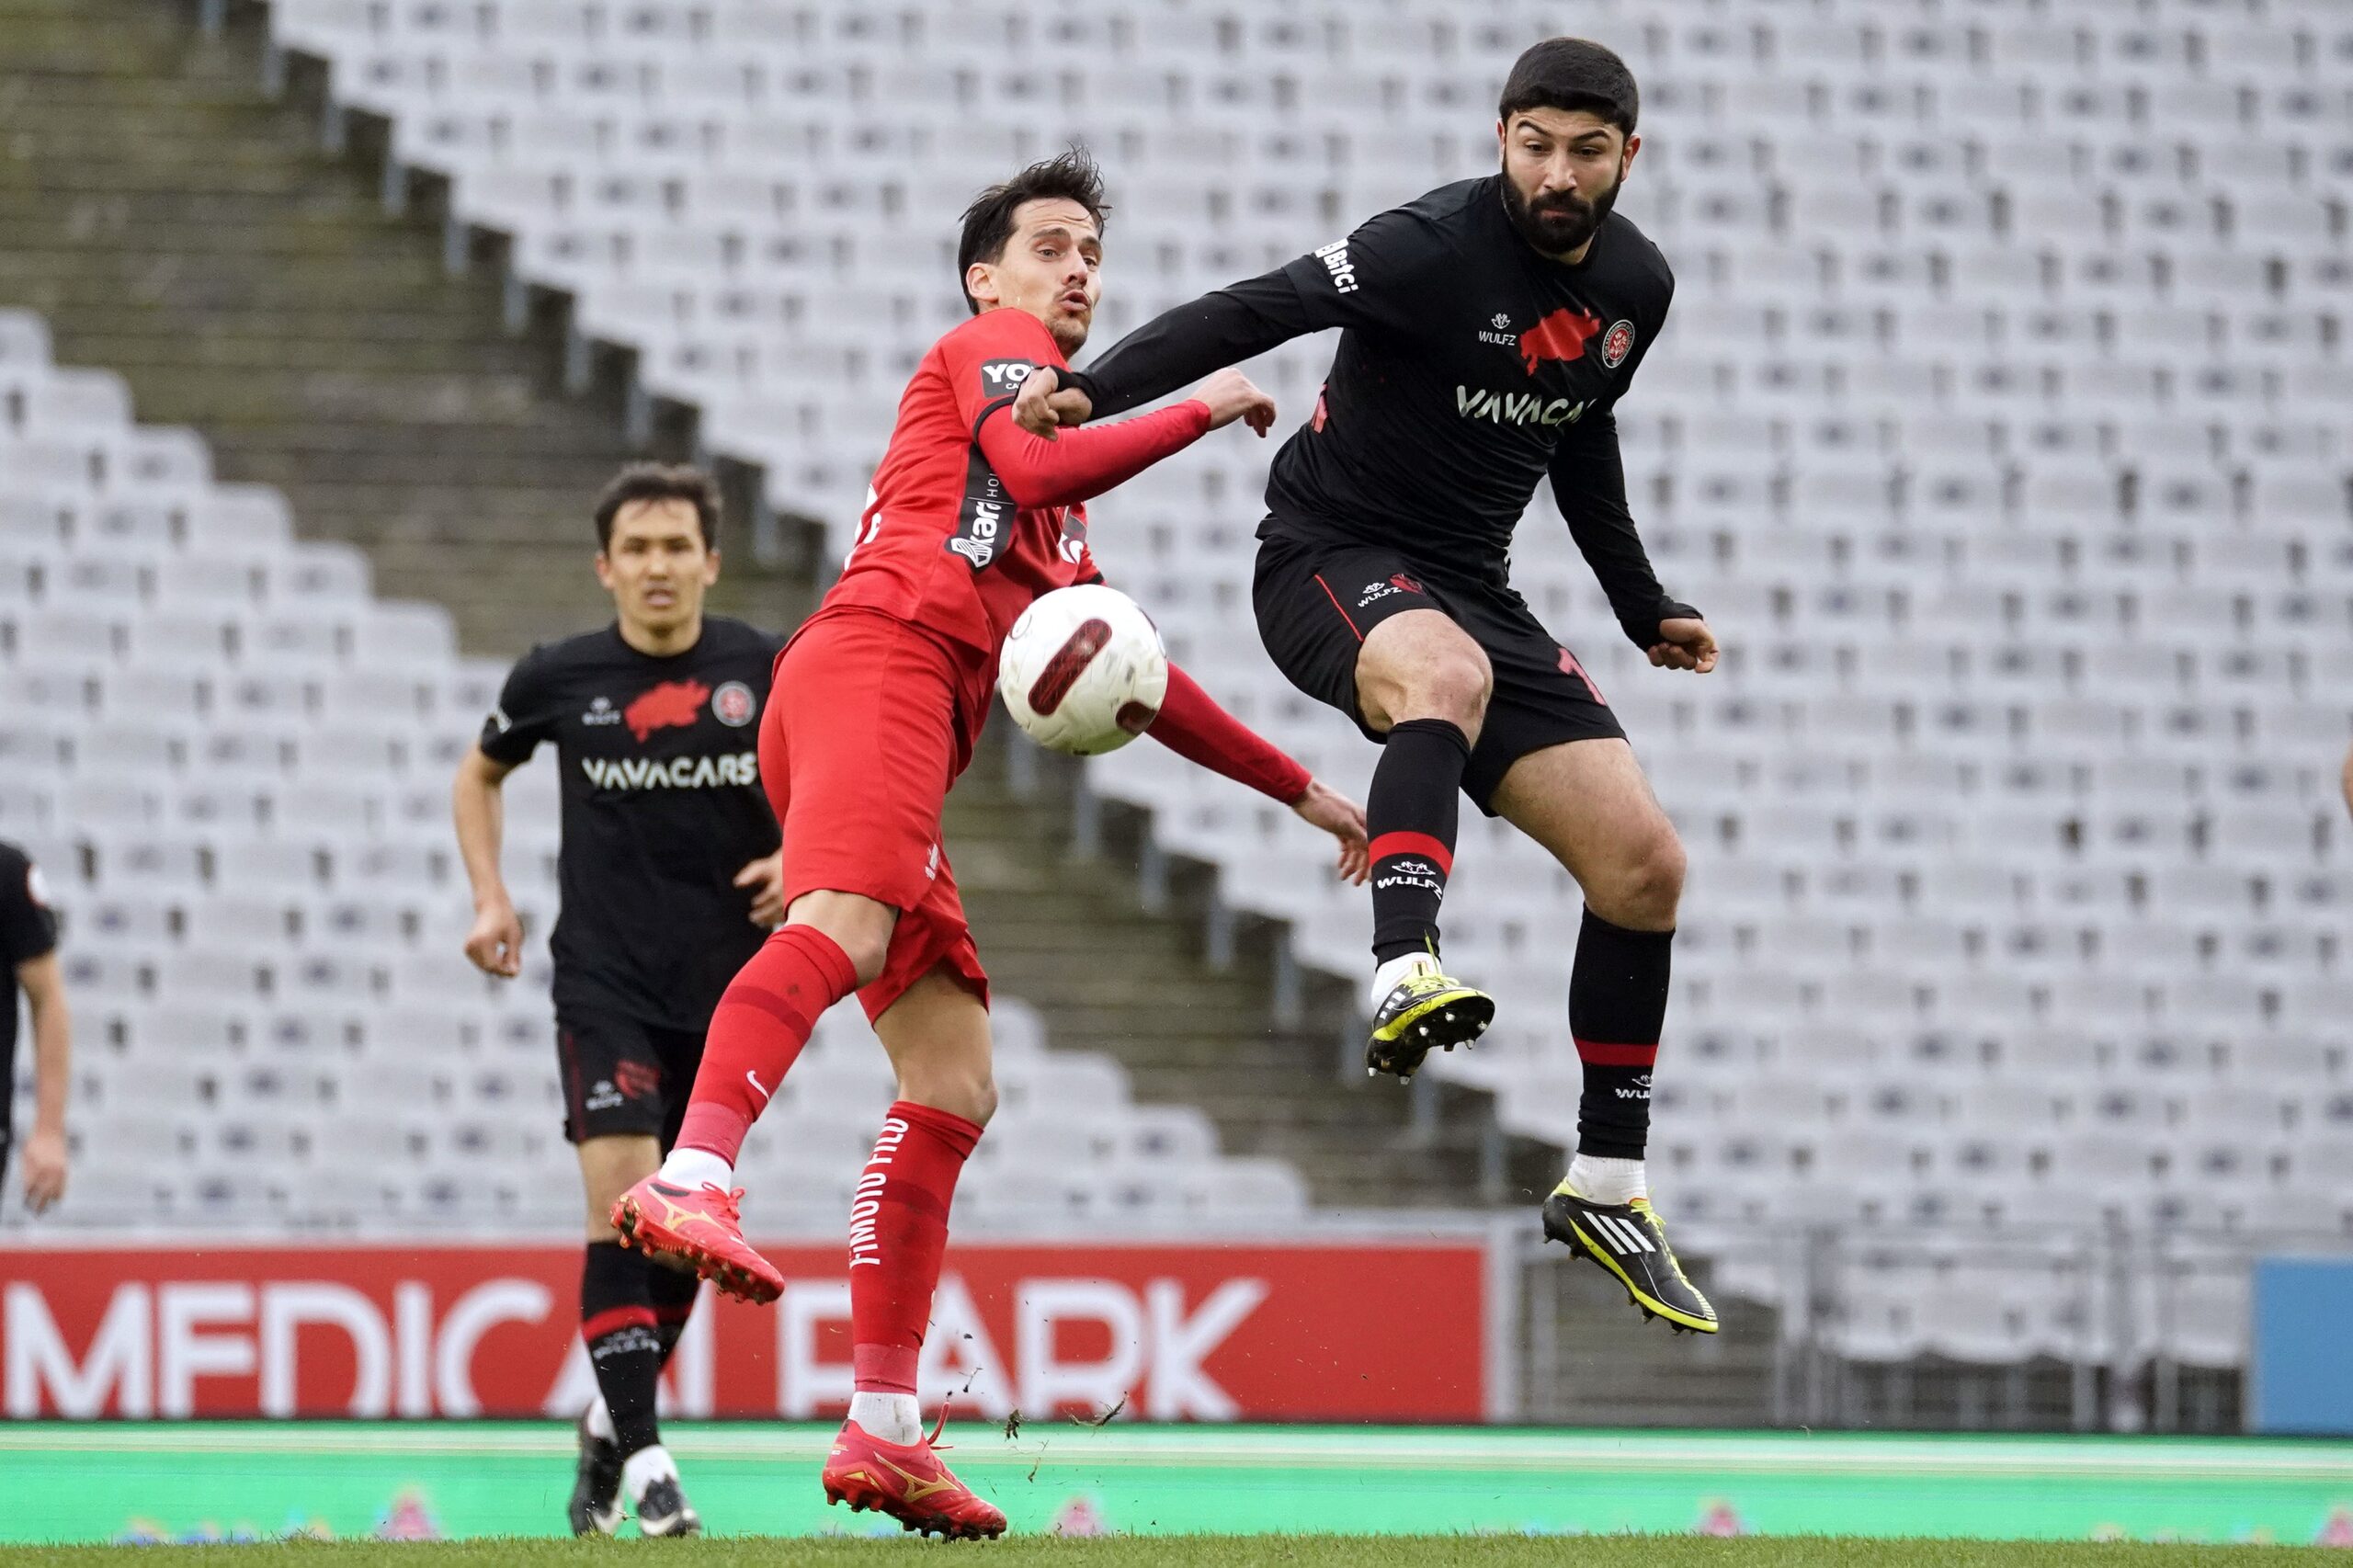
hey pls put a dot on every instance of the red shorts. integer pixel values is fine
(867, 722)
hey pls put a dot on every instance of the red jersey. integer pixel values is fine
(970, 517)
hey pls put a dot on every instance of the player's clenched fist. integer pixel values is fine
(1684, 643)
(1231, 395)
(1041, 407)
(495, 944)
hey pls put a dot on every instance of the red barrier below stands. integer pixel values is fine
(1345, 1331)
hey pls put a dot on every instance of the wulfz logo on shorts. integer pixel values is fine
(725, 771)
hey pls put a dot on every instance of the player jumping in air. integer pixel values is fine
(670, 881)
(1487, 331)
(879, 699)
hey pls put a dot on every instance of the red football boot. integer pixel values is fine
(908, 1482)
(698, 1225)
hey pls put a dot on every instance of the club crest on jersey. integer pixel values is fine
(1616, 343)
(733, 705)
(1003, 378)
(671, 705)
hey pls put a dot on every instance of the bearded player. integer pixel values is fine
(877, 703)
(1487, 331)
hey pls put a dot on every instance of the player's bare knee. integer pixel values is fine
(984, 1101)
(968, 1093)
(867, 953)
(1645, 887)
(1455, 690)
(1453, 686)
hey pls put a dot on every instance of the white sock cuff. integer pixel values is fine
(894, 1417)
(601, 1420)
(1387, 977)
(698, 1168)
(645, 1467)
(1599, 1179)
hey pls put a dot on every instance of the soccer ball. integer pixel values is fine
(1083, 670)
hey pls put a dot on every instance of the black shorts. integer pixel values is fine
(624, 1077)
(1317, 600)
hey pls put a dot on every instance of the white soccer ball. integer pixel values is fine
(1084, 671)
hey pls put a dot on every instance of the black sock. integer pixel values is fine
(673, 1292)
(618, 1324)
(1410, 813)
(1617, 1005)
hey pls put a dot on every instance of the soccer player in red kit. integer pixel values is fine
(875, 706)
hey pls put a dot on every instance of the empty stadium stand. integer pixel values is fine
(232, 759)
(2000, 428)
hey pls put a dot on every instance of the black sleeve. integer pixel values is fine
(529, 708)
(1372, 279)
(27, 925)
(1590, 485)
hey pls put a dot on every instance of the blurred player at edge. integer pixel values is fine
(670, 881)
(29, 950)
(1488, 329)
(879, 699)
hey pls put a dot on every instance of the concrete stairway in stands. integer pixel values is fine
(177, 226)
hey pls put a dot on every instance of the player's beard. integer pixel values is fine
(1559, 223)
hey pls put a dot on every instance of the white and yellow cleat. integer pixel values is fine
(1423, 1010)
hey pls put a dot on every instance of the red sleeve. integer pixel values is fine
(1080, 464)
(1192, 726)
(988, 357)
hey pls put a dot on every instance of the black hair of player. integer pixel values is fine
(988, 221)
(1572, 75)
(659, 481)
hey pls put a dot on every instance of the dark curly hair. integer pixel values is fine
(988, 221)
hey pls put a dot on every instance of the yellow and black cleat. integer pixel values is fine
(1425, 1012)
(1627, 1240)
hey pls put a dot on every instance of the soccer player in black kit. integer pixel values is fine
(1487, 331)
(670, 880)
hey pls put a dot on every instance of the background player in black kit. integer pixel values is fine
(1487, 331)
(29, 962)
(670, 880)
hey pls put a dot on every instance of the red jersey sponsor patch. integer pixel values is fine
(1560, 335)
(672, 705)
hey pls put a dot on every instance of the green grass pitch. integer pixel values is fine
(1194, 1551)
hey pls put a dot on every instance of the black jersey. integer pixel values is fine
(662, 808)
(28, 931)
(1469, 366)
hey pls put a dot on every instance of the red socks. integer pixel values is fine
(898, 1222)
(898, 1232)
(758, 1031)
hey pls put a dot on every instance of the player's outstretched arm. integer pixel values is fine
(1219, 329)
(1590, 485)
(1068, 467)
(1378, 277)
(1192, 726)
